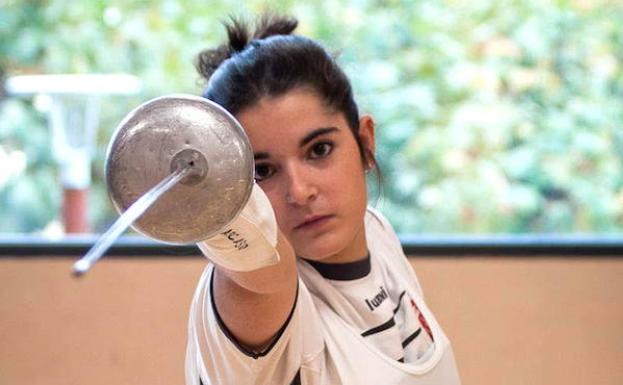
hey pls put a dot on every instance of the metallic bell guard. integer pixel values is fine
(179, 133)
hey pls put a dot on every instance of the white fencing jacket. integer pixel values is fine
(374, 328)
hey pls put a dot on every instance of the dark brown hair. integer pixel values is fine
(270, 61)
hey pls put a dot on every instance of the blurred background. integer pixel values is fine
(496, 120)
(493, 117)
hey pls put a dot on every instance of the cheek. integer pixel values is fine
(354, 176)
(358, 193)
(277, 204)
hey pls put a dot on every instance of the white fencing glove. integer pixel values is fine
(249, 242)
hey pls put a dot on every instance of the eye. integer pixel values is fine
(321, 150)
(263, 171)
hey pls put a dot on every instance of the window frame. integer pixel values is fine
(525, 245)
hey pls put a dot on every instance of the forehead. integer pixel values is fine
(275, 122)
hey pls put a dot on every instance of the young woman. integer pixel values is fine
(323, 294)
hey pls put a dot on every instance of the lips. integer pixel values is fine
(313, 222)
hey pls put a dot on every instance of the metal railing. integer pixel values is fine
(527, 245)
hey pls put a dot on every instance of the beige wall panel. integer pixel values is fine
(511, 320)
(530, 321)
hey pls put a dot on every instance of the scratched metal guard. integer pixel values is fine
(164, 162)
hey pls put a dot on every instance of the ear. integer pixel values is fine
(366, 133)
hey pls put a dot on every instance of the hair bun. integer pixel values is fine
(270, 25)
(239, 36)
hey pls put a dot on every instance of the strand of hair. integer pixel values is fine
(271, 24)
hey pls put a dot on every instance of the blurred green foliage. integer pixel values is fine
(492, 116)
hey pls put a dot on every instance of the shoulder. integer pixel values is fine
(378, 229)
(384, 244)
(374, 217)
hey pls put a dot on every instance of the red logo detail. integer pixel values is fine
(422, 320)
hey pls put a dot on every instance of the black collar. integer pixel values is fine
(342, 271)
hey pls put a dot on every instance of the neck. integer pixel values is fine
(356, 250)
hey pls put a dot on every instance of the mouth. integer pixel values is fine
(313, 222)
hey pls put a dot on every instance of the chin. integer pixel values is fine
(320, 249)
(315, 253)
(332, 244)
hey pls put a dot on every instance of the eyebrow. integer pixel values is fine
(316, 133)
(306, 139)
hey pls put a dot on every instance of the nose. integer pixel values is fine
(301, 188)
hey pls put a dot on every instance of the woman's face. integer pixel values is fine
(308, 164)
